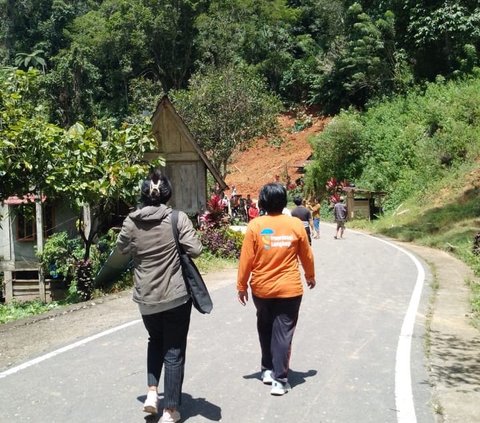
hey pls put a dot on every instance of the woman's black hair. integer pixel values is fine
(272, 198)
(156, 189)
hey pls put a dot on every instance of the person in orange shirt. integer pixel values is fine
(269, 263)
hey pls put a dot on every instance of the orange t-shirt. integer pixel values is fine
(269, 257)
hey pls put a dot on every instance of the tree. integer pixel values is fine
(28, 142)
(121, 41)
(101, 166)
(258, 33)
(96, 166)
(225, 109)
(365, 65)
(338, 152)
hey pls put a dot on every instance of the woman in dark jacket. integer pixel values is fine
(160, 291)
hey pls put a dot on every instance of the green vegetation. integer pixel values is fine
(19, 310)
(112, 58)
(78, 80)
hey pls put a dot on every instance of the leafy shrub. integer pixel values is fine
(60, 254)
(17, 310)
(222, 242)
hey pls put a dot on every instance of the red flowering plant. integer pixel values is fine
(215, 235)
(214, 216)
(335, 188)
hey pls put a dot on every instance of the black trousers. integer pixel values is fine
(167, 344)
(276, 322)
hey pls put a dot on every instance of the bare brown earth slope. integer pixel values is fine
(271, 157)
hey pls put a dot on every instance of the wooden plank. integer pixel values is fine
(7, 278)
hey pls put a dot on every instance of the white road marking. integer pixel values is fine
(64, 349)
(403, 381)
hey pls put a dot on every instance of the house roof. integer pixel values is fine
(15, 200)
(167, 104)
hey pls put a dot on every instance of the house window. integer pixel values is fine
(26, 226)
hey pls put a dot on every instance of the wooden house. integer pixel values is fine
(185, 163)
(363, 203)
(18, 240)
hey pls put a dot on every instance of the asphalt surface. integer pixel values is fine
(344, 365)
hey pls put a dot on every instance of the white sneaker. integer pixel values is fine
(279, 388)
(170, 416)
(267, 377)
(150, 404)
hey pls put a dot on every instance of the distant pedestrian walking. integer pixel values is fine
(160, 290)
(315, 209)
(340, 213)
(302, 213)
(269, 263)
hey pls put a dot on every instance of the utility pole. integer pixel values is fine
(39, 233)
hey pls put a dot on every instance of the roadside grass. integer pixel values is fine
(207, 262)
(446, 217)
(19, 310)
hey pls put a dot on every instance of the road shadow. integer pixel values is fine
(294, 377)
(459, 364)
(190, 407)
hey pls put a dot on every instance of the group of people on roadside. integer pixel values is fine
(269, 273)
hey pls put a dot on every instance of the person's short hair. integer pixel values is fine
(272, 198)
(298, 200)
(156, 189)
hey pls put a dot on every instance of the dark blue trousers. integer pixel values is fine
(167, 344)
(276, 322)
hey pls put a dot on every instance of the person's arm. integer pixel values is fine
(125, 237)
(245, 266)
(305, 254)
(310, 222)
(187, 236)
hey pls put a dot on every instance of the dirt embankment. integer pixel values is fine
(268, 158)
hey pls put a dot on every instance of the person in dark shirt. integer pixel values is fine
(340, 213)
(304, 215)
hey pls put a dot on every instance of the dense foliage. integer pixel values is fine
(103, 58)
(225, 109)
(404, 145)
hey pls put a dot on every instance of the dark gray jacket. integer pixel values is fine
(147, 236)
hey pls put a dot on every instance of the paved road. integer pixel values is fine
(343, 367)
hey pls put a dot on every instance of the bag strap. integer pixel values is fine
(174, 221)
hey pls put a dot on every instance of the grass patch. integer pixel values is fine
(446, 217)
(207, 262)
(18, 310)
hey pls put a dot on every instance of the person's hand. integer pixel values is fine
(243, 297)
(311, 283)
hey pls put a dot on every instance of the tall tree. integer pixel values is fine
(225, 109)
(124, 40)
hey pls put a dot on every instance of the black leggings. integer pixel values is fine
(276, 322)
(167, 344)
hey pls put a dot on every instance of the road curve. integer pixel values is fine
(343, 366)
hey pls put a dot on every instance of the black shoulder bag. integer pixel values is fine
(193, 280)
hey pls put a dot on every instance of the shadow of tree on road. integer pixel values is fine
(191, 407)
(294, 377)
(458, 363)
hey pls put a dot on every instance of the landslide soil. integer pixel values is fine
(267, 158)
